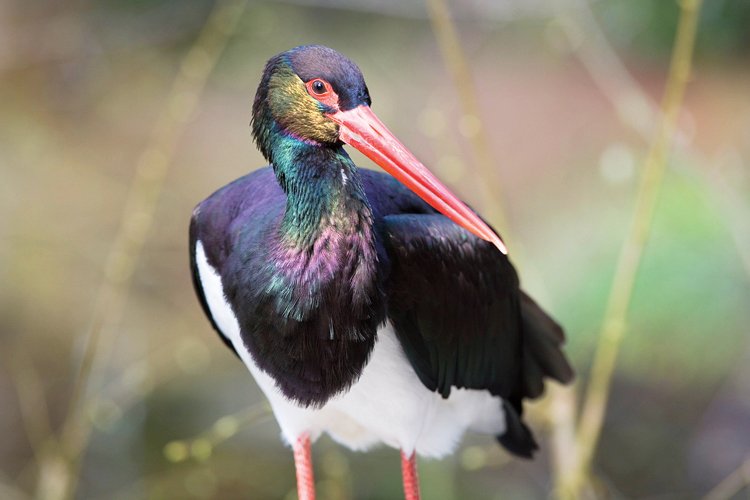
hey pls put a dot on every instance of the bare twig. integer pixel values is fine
(613, 328)
(588, 40)
(201, 446)
(636, 110)
(562, 416)
(488, 184)
(137, 219)
(31, 402)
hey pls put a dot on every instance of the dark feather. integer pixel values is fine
(454, 300)
(543, 356)
(517, 437)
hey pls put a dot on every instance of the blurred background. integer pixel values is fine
(119, 116)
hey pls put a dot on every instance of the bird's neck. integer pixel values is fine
(324, 194)
(325, 258)
(323, 297)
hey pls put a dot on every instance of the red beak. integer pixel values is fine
(362, 129)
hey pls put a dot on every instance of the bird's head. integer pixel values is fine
(317, 96)
(299, 91)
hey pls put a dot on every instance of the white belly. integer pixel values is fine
(388, 404)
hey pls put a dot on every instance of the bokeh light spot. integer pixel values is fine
(104, 413)
(473, 458)
(335, 464)
(226, 427)
(176, 451)
(617, 164)
(431, 122)
(469, 125)
(201, 449)
(451, 168)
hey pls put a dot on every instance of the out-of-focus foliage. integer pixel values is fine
(647, 27)
(81, 84)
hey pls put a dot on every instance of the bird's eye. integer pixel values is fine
(318, 87)
(322, 91)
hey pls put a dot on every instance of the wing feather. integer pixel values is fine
(460, 315)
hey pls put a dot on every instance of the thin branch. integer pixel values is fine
(151, 170)
(135, 382)
(586, 37)
(488, 184)
(614, 325)
(636, 109)
(138, 216)
(32, 403)
(562, 417)
(201, 445)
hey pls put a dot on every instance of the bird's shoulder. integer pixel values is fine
(244, 208)
(251, 203)
(388, 196)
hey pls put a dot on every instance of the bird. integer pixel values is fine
(375, 307)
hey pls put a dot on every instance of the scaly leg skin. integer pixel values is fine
(409, 473)
(303, 466)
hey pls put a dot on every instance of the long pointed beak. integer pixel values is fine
(362, 129)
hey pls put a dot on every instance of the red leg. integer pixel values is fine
(409, 473)
(304, 468)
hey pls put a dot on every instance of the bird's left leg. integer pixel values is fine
(303, 466)
(409, 474)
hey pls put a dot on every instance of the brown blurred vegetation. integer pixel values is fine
(86, 90)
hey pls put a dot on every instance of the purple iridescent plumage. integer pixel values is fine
(292, 291)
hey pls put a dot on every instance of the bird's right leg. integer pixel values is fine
(410, 477)
(303, 466)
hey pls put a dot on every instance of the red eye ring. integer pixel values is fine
(323, 92)
(319, 87)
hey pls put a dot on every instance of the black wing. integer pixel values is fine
(458, 311)
(455, 303)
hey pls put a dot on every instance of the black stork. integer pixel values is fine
(376, 308)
